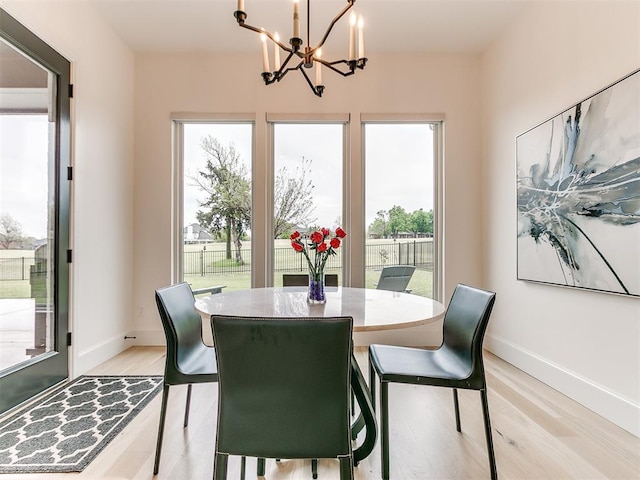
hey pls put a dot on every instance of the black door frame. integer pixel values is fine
(23, 381)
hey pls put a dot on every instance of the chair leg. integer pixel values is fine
(487, 431)
(314, 467)
(346, 467)
(456, 408)
(261, 467)
(384, 428)
(186, 410)
(163, 414)
(220, 466)
(372, 384)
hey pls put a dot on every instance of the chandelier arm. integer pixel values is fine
(282, 71)
(316, 91)
(269, 35)
(297, 67)
(333, 22)
(330, 65)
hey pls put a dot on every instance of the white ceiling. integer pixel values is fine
(390, 25)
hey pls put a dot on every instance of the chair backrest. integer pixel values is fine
(465, 323)
(302, 279)
(283, 386)
(395, 278)
(182, 328)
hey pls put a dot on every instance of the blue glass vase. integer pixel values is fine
(316, 288)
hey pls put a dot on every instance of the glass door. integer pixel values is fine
(34, 214)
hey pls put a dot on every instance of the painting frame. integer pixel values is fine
(578, 194)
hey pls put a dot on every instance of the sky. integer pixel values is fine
(23, 171)
(399, 163)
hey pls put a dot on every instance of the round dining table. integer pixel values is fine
(371, 310)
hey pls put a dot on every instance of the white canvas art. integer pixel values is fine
(578, 194)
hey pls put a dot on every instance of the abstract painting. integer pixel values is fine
(578, 194)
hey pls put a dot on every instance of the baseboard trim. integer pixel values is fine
(91, 358)
(620, 410)
(147, 338)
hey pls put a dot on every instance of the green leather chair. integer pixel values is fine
(284, 386)
(457, 363)
(302, 279)
(189, 360)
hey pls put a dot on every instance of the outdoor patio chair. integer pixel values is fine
(395, 278)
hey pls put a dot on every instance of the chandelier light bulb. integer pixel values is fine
(296, 18)
(276, 53)
(352, 36)
(265, 53)
(360, 37)
(318, 55)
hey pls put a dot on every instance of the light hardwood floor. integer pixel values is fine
(538, 434)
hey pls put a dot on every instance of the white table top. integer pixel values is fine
(371, 309)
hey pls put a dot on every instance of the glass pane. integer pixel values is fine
(307, 191)
(217, 205)
(27, 209)
(399, 205)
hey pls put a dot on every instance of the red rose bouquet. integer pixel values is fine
(322, 244)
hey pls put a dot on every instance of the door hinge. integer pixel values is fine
(68, 339)
(71, 90)
(69, 256)
(69, 173)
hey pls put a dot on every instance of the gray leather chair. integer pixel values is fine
(457, 363)
(283, 388)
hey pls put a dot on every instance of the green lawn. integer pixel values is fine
(421, 282)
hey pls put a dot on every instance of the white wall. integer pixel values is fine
(583, 343)
(204, 83)
(102, 151)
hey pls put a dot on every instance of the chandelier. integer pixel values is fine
(307, 57)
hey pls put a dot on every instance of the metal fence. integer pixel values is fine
(213, 262)
(18, 268)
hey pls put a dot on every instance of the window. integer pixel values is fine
(401, 201)
(302, 178)
(215, 204)
(307, 189)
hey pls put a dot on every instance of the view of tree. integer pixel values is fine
(397, 220)
(10, 232)
(421, 221)
(293, 200)
(226, 182)
(379, 227)
(226, 211)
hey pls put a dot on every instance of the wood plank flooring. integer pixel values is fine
(538, 433)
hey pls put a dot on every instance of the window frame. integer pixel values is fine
(272, 119)
(178, 121)
(436, 121)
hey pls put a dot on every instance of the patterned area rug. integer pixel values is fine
(65, 431)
